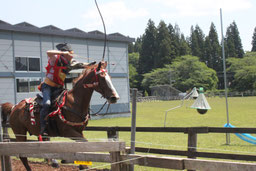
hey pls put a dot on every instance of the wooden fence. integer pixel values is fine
(64, 150)
(191, 132)
(120, 160)
(191, 152)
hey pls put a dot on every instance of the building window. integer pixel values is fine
(27, 64)
(33, 84)
(26, 85)
(21, 64)
(22, 85)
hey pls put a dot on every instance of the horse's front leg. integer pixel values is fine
(82, 139)
(78, 137)
(54, 162)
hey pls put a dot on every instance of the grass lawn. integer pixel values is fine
(242, 112)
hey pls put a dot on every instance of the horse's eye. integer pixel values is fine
(103, 74)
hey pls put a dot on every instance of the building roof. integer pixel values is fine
(55, 31)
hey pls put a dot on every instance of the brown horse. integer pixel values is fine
(74, 111)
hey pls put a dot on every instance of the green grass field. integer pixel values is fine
(242, 112)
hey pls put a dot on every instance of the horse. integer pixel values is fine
(72, 118)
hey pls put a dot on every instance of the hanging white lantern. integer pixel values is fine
(201, 103)
(194, 94)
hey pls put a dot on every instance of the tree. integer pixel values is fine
(189, 72)
(138, 44)
(134, 59)
(148, 49)
(174, 33)
(133, 74)
(130, 48)
(184, 46)
(159, 76)
(254, 41)
(133, 66)
(197, 42)
(233, 43)
(213, 57)
(244, 71)
(165, 50)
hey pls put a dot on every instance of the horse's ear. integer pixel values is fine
(105, 64)
(99, 66)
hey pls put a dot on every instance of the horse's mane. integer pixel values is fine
(82, 76)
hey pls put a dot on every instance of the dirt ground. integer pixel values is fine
(39, 166)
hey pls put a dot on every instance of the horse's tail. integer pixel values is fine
(6, 110)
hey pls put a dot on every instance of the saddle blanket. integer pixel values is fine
(31, 106)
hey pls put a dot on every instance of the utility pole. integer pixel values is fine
(225, 77)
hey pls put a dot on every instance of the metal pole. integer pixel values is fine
(225, 76)
(182, 101)
(133, 127)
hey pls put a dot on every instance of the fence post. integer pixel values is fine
(115, 156)
(192, 143)
(133, 124)
(133, 127)
(113, 135)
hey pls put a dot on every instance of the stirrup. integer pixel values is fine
(40, 138)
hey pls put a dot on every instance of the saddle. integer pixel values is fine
(34, 105)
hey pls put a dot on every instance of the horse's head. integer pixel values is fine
(101, 82)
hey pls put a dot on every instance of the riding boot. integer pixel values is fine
(43, 122)
(43, 129)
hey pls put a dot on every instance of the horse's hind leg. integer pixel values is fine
(21, 138)
(25, 163)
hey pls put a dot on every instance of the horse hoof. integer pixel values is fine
(54, 163)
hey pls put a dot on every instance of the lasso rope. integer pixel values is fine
(105, 40)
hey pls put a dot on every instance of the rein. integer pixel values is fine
(61, 106)
(96, 113)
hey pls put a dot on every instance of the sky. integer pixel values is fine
(130, 17)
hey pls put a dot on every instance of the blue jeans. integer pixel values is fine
(47, 93)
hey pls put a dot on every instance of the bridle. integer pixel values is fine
(93, 86)
(96, 83)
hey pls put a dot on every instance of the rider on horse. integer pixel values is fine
(60, 62)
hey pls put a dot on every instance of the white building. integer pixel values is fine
(23, 59)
